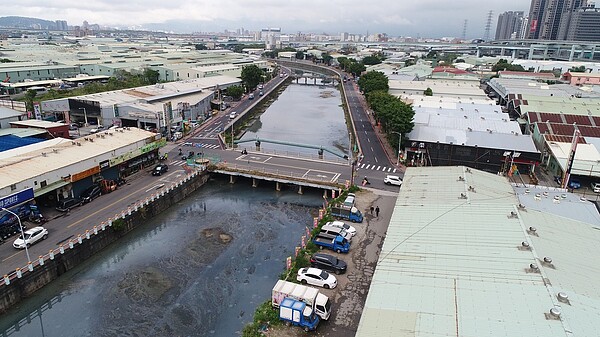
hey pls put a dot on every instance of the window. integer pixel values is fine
(13, 187)
(43, 184)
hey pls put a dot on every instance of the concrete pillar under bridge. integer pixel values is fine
(277, 186)
(300, 190)
(231, 179)
(254, 182)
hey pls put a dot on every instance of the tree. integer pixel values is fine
(300, 55)
(29, 96)
(343, 61)
(373, 81)
(580, 69)
(371, 60)
(251, 76)
(428, 92)
(235, 91)
(201, 46)
(356, 68)
(327, 58)
(504, 65)
(393, 114)
(151, 76)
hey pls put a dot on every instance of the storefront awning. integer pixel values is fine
(51, 187)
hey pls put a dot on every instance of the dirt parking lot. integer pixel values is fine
(349, 296)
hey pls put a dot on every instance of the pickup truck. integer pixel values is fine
(334, 242)
(348, 213)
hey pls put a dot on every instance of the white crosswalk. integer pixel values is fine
(178, 163)
(203, 145)
(377, 168)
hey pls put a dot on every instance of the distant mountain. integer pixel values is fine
(23, 22)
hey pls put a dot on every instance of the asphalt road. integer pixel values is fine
(64, 226)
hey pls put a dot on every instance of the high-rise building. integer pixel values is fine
(61, 25)
(582, 24)
(509, 25)
(545, 17)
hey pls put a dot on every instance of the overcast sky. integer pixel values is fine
(416, 18)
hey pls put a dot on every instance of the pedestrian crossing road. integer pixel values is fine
(377, 168)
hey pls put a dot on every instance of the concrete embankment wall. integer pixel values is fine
(76, 250)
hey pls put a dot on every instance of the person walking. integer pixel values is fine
(371, 210)
(377, 211)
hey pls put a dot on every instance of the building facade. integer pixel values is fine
(582, 24)
(509, 25)
(546, 17)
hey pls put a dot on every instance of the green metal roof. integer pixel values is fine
(452, 264)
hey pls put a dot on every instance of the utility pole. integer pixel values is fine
(488, 25)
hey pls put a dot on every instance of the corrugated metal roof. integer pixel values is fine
(30, 161)
(453, 266)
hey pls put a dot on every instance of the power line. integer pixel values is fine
(488, 25)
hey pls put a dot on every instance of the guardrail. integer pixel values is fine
(79, 238)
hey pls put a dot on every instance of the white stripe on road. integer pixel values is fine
(378, 167)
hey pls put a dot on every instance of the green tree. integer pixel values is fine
(235, 91)
(201, 46)
(252, 75)
(393, 114)
(356, 68)
(371, 60)
(151, 76)
(428, 92)
(580, 69)
(504, 65)
(344, 62)
(29, 96)
(327, 58)
(373, 81)
(300, 55)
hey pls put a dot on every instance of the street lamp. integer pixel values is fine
(399, 141)
(22, 234)
(84, 116)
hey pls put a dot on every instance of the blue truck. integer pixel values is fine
(334, 242)
(348, 213)
(294, 312)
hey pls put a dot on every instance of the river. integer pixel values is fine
(201, 267)
(303, 114)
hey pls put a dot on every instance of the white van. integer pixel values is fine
(333, 230)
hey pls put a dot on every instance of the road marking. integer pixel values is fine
(367, 166)
(15, 254)
(155, 187)
(378, 167)
(377, 161)
(394, 170)
(335, 177)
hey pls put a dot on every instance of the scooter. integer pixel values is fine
(365, 181)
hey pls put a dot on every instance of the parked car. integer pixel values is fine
(67, 204)
(345, 226)
(596, 187)
(328, 262)
(392, 180)
(30, 237)
(98, 128)
(160, 169)
(91, 193)
(316, 277)
(574, 183)
(73, 126)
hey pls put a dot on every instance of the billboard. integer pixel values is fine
(16, 198)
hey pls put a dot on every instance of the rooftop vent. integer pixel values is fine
(55, 150)
(470, 129)
(532, 230)
(525, 246)
(468, 170)
(527, 192)
(563, 297)
(43, 154)
(460, 178)
(521, 206)
(463, 196)
(78, 144)
(533, 268)
(555, 312)
(512, 215)
(471, 188)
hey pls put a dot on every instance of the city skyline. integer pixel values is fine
(429, 18)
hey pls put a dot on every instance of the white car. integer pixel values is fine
(596, 187)
(341, 224)
(232, 115)
(98, 128)
(32, 236)
(392, 180)
(316, 277)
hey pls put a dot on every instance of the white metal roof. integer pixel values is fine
(454, 266)
(587, 158)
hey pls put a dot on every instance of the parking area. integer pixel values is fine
(349, 296)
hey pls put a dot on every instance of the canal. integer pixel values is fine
(202, 267)
(302, 114)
